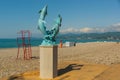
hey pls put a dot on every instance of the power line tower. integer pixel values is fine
(24, 41)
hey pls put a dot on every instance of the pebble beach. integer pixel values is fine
(106, 53)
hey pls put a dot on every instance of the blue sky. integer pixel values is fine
(78, 15)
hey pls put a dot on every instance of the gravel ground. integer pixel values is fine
(96, 52)
(9, 65)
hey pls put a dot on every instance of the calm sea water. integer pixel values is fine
(12, 43)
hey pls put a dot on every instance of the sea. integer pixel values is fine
(13, 43)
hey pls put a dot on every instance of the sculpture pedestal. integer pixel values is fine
(48, 62)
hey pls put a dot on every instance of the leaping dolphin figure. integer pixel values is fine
(49, 35)
(41, 21)
(55, 28)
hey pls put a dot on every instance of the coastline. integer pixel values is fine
(11, 43)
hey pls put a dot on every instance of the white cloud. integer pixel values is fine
(115, 27)
(111, 28)
(69, 30)
(118, 24)
(86, 30)
(82, 30)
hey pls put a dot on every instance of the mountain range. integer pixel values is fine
(100, 36)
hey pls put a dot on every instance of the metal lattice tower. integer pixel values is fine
(24, 41)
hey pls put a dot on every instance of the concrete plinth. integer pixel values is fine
(48, 62)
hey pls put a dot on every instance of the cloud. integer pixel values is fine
(111, 28)
(118, 24)
(81, 30)
(69, 30)
(86, 29)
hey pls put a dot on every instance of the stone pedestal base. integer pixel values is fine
(48, 62)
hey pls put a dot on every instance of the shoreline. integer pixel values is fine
(64, 44)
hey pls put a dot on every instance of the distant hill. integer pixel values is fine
(101, 36)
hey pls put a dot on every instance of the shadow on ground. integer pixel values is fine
(15, 78)
(69, 68)
(35, 57)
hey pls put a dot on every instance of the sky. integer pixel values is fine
(79, 16)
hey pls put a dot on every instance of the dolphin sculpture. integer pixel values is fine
(56, 26)
(41, 21)
(49, 35)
